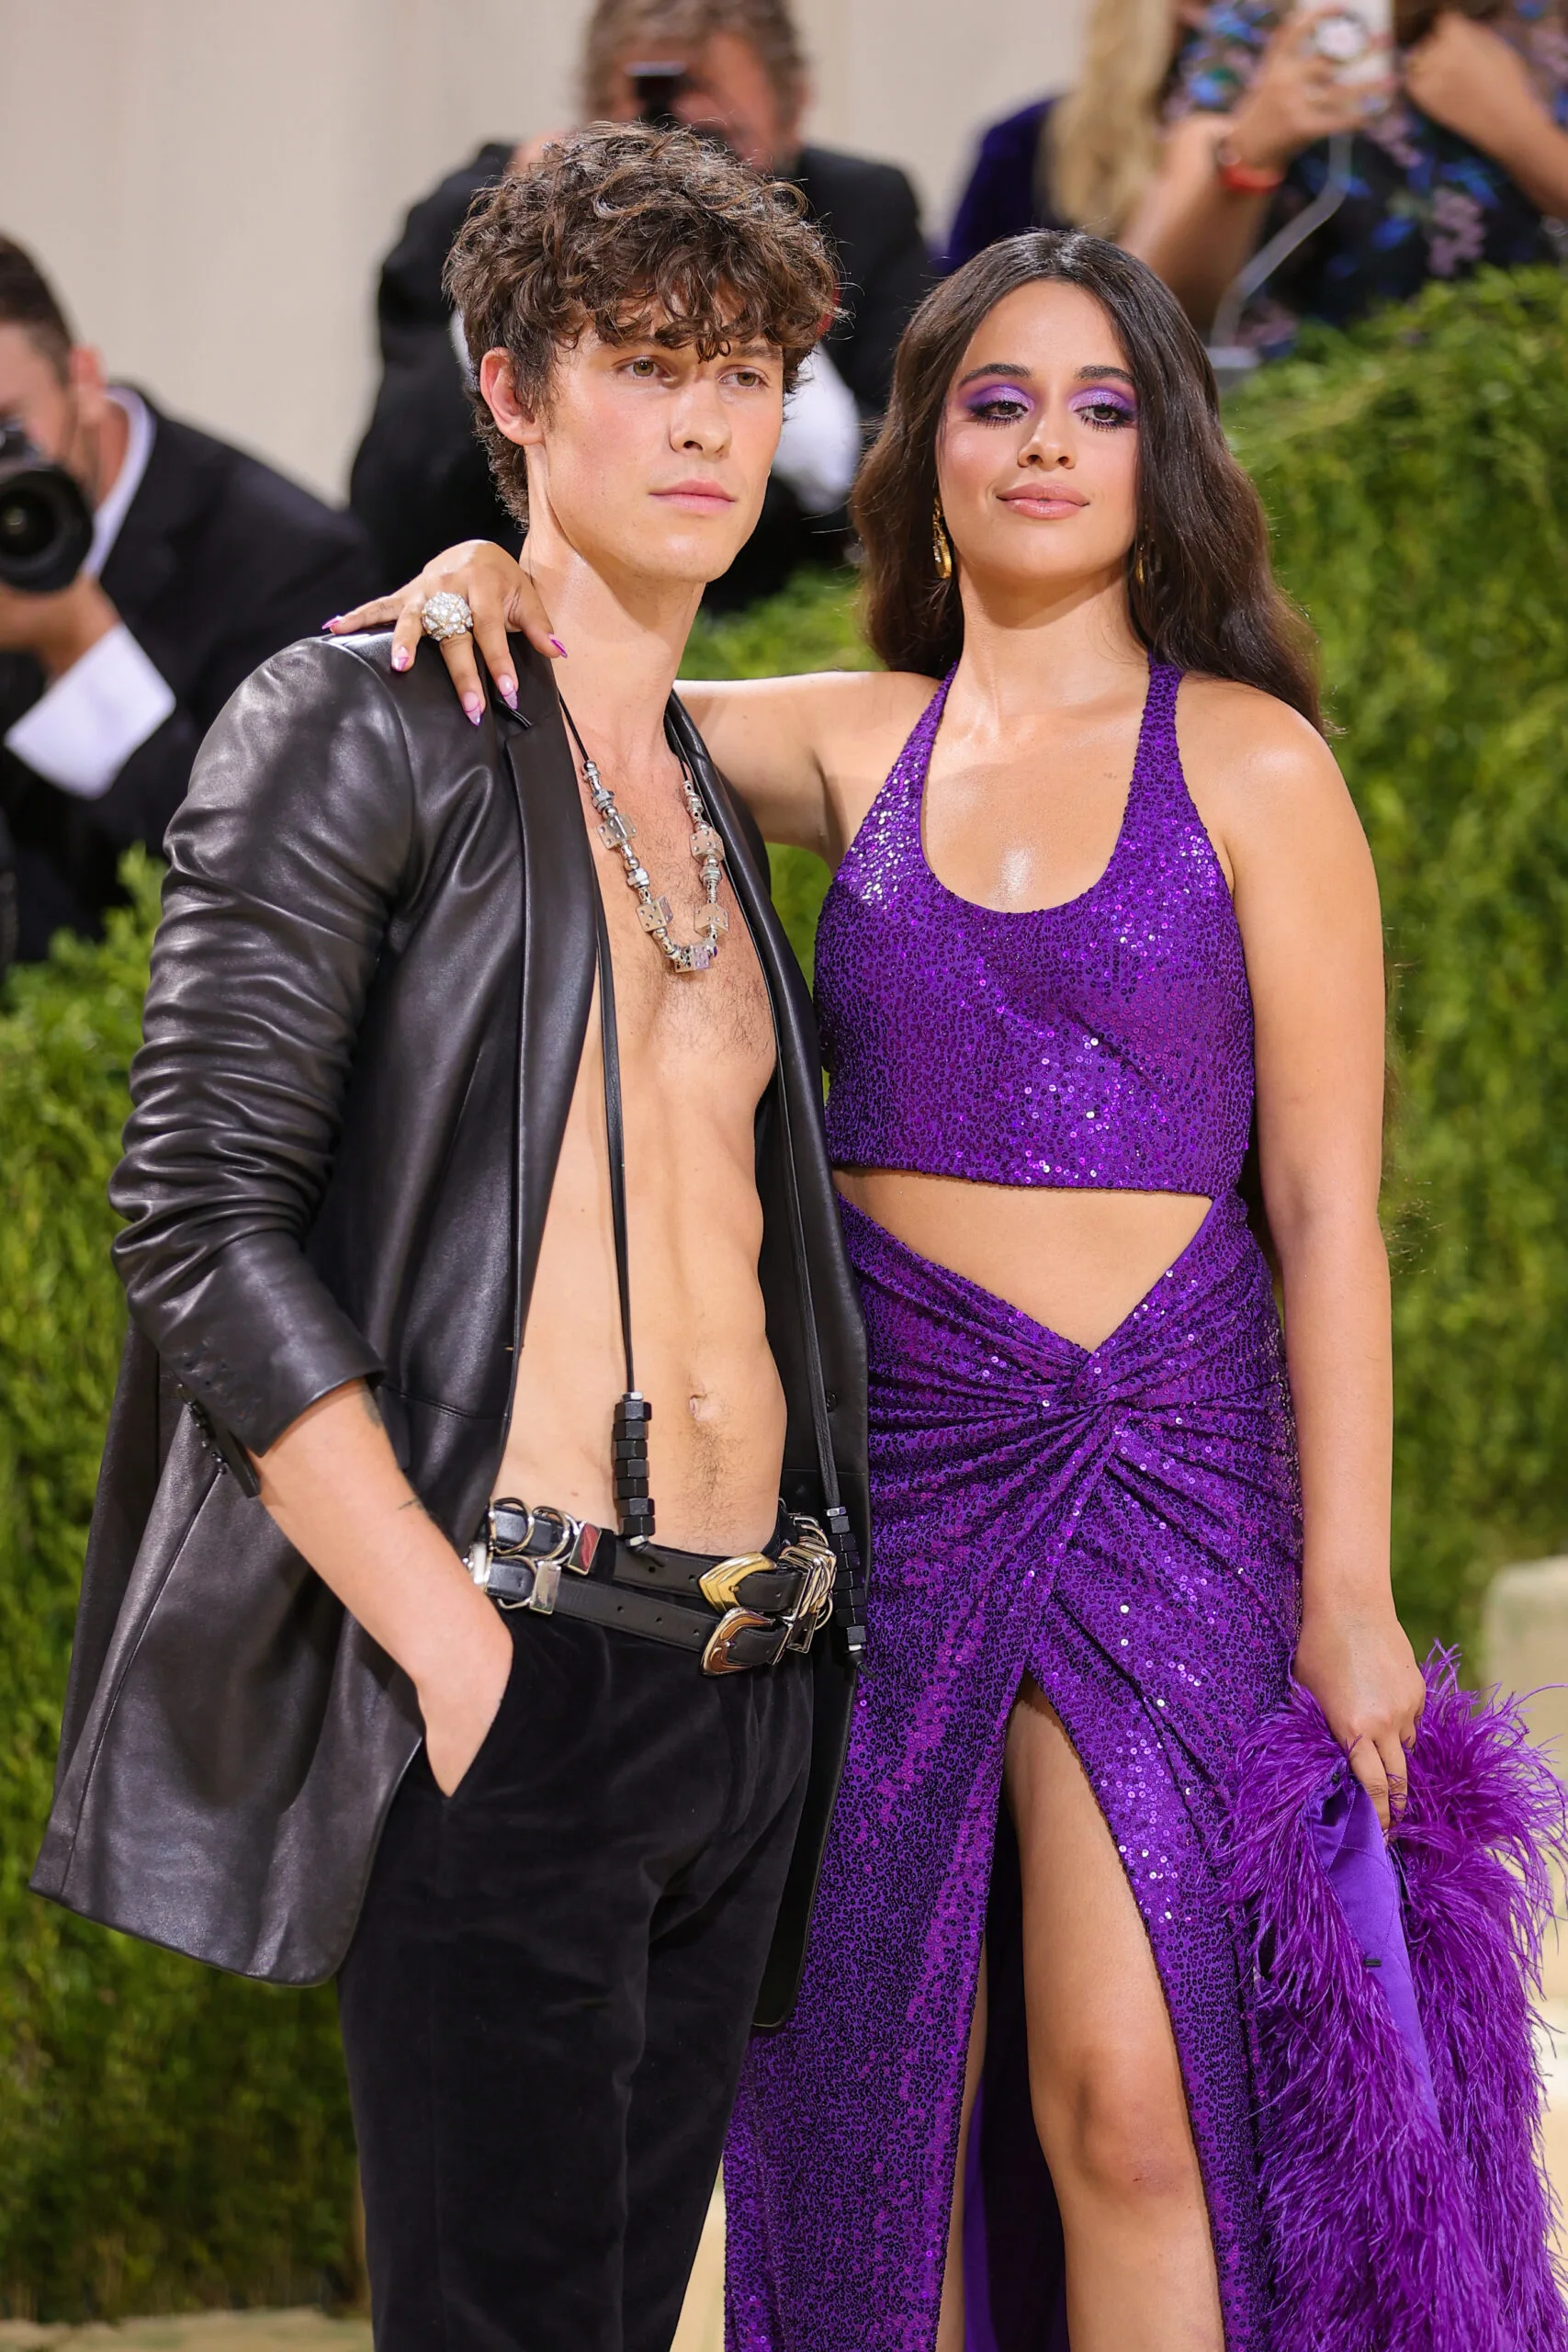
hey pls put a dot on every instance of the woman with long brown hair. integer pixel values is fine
(1101, 910)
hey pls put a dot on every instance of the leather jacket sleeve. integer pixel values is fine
(288, 861)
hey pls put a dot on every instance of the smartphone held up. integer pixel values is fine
(1356, 37)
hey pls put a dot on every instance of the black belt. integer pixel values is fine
(767, 1603)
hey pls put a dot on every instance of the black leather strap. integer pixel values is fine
(628, 1436)
(775, 1591)
(615, 1129)
(666, 1620)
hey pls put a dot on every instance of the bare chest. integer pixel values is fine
(1027, 833)
(698, 1033)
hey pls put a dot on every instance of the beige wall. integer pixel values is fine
(210, 184)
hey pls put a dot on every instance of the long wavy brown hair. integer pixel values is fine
(1200, 590)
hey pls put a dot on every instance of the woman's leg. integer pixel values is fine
(950, 2327)
(1105, 2081)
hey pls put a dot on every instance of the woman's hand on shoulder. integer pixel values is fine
(501, 598)
(1361, 1671)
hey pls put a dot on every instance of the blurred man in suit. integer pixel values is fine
(203, 563)
(735, 70)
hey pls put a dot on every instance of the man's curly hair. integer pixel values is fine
(637, 236)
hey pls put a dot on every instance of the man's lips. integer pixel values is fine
(696, 494)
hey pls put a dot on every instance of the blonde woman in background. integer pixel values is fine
(1085, 160)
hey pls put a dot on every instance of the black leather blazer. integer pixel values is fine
(369, 993)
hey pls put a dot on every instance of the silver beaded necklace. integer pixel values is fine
(654, 913)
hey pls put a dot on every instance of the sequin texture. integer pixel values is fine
(1105, 1042)
(1122, 1523)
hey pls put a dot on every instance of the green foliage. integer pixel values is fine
(1415, 472)
(168, 2136)
(810, 626)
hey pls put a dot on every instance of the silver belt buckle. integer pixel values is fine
(565, 1550)
(811, 1553)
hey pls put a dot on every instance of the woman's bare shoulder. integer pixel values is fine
(1248, 755)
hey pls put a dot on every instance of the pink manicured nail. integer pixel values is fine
(507, 689)
(559, 646)
(474, 705)
(401, 657)
(328, 626)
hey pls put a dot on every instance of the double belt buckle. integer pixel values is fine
(550, 1541)
(809, 1556)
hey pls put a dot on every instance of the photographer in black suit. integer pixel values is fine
(735, 70)
(203, 563)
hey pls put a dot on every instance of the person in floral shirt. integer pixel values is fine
(1459, 158)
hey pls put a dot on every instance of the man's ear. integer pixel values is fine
(498, 388)
(84, 373)
(790, 124)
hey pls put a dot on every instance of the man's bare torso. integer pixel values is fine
(698, 1053)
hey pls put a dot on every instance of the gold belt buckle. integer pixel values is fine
(716, 1658)
(723, 1580)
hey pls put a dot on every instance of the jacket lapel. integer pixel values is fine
(558, 948)
(145, 554)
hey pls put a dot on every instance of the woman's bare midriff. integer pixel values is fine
(1076, 1261)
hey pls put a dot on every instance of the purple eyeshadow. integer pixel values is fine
(981, 395)
(1105, 396)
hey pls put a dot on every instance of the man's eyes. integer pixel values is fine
(645, 369)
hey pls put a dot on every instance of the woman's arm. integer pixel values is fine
(1468, 78)
(1196, 231)
(799, 749)
(1307, 904)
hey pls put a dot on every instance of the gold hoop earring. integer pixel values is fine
(942, 546)
(1138, 574)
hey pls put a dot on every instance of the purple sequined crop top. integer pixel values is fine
(1104, 1043)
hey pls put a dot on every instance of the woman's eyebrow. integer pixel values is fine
(1024, 375)
(998, 367)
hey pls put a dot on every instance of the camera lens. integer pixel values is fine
(29, 520)
(46, 529)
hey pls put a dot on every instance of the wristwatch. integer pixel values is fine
(1244, 179)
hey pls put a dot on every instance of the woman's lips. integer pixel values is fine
(1046, 503)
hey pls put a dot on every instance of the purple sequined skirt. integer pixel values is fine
(1125, 1526)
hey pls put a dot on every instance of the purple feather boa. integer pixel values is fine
(1394, 2230)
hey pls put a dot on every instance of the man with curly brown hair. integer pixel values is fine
(431, 1645)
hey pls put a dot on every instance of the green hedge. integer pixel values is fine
(168, 2136)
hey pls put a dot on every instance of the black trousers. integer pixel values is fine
(549, 1997)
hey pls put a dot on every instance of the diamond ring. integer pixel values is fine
(446, 615)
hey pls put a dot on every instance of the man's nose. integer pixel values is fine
(701, 420)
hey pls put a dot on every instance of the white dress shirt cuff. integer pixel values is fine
(80, 731)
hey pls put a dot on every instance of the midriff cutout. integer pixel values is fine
(1076, 1261)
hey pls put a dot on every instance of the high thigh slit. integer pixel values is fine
(1122, 1523)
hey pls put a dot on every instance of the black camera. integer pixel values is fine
(656, 87)
(45, 526)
